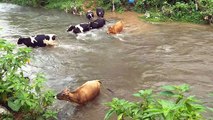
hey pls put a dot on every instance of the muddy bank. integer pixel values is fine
(134, 25)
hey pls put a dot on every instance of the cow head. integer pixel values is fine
(71, 27)
(64, 95)
(22, 40)
(50, 36)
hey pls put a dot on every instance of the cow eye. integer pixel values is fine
(53, 38)
(47, 38)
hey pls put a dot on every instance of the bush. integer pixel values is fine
(34, 3)
(163, 10)
(65, 4)
(23, 97)
(170, 104)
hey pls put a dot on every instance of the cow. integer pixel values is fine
(98, 23)
(79, 28)
(89, 15)
(83, 94)
(100, 12)
(40, 40)
(116, 28)
(209, 19)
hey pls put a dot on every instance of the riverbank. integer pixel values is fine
(134, 25)
(170, 53)
(198, 12)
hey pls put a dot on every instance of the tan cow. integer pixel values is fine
(83, 94)
(117, 28)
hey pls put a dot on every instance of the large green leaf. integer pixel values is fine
(108, 114)
(120, 117)
(167, 93)
(169, 87)
(14, 105)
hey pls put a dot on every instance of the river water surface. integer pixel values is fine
(143, 56)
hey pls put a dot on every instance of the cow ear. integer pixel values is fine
(66, 90)
(71, 27)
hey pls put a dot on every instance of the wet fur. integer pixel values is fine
(89, 15)
(117, 28)
(38, 40)
(209, 19)
(79, 28)
(98, 23)
(100, 12)
(83, 94)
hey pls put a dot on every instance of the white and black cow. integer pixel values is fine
(79, 28)
(98, 23)
(100, 12)
(41, 40)
(209, 19)
(89, 15)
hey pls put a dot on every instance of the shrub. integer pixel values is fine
(171, 104)
(34, 3)
(24, 98)
(66, 5)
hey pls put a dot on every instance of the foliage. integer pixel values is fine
(164, 10)
(161, 10)
(18, 93)
(65, 4)
(34, 3)
(171, 104)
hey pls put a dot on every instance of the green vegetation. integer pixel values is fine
(167, 10)
(34, 3)
(66, 5)
(171, 104)
(24, 98)
(157, 10)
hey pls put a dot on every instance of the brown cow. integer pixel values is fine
(117, 28)
(87, 92)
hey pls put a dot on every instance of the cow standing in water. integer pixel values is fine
(117, 28)
(83, 94)
(41, 40)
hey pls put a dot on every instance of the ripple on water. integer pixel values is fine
(164, 49)
(5, 7)
(75, 48)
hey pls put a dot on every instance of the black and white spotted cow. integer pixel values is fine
(209, 19)
(89, 15)
(98, 23)
(79, 28)
(41, 40)
(100, 12)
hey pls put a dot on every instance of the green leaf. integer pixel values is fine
(137, 95)
(38, 89)
(184, 87)
(120, 117)
(211, 109)
(15, 106)
(108, 114)
(152, 112)
(169, 87)
(167, 93)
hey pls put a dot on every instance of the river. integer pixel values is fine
(144, 55)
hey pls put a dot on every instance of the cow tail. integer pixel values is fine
(105, 87)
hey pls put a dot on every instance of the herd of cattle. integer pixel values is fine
(90, 89)
(43, 40)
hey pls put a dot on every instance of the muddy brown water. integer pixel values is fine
(143, 56)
